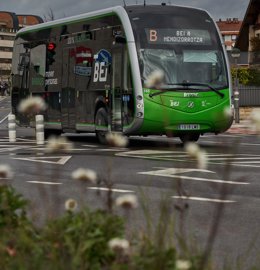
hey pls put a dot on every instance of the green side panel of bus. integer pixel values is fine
(174, 112)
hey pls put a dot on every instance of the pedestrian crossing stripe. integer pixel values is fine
(179, 156)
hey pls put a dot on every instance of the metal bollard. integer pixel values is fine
(236, 100)
(236, 105)
(39, 128)
(11, 128)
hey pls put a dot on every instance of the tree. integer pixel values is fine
(49, 16)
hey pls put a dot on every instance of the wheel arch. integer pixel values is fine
(100, 102)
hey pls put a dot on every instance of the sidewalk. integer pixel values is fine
(2, 97)
(243, 127)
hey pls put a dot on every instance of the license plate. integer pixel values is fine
(189, 127)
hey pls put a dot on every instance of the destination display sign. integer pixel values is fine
(178, 36)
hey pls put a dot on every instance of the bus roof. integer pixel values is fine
(119, 10)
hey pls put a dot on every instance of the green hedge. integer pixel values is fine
(247, 76)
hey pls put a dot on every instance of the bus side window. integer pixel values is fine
(23, 61)
(127, 80)
(37, 60)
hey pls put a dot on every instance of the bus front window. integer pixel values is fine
(158, 59)
(182, 43)
(191, 66)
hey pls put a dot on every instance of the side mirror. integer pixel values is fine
(120, 39)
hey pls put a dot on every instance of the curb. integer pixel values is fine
(243, 128)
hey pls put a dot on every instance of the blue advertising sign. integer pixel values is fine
(103, 56)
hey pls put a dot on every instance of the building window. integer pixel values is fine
(6, 49)
(227, 38)
(234, 37)
(5, 61)
(229, 48)
(3, 37)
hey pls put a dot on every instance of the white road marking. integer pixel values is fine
(14, 144)
(236, 158)
(28, 140)
(90, 145)
(251, 144)
(171, 172)
(203, 199)
(13, 148)
(111, 149)
(1, 121)
(240, 165)
(214, 158)
(44, 148)
(249, 162)
(44, 183)
(112, 189)
(61, 159)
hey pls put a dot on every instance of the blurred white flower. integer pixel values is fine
(202, 159)
(71, 205)
(58, 144)
(119, 245)
(5, 171)
(85, 175)
(183, 265)
(127, 201)
(116, 139)
(155, 79)
(32, 105)
(228, 113)
(255, 119)
(194, 151)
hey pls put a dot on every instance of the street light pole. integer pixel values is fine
(235, 53)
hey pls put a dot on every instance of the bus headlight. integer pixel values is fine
(139, 106)
(139, 97)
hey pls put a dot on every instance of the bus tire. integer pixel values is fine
(101, 118)
(190, 137)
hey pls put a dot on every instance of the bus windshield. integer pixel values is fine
(191, 66)
(181, 43)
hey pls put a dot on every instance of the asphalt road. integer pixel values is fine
(153, 168)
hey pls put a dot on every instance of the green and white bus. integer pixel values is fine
(92, 70)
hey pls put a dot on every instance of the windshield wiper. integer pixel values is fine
(163, 91)
(185, 86)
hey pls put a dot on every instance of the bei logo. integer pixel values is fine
(102, 61)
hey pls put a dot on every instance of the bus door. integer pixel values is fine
(118, 66)
(22, 91)
(68, 92)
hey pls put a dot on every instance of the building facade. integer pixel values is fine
(10, 23)
(229, 30)
(248, 40)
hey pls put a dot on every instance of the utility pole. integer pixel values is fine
(235, 53)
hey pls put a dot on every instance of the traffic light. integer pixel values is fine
(51, 53)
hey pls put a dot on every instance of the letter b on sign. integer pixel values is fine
(153, 35)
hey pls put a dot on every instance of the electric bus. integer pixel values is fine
(93, 70)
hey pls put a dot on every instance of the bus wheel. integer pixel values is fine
(189, 137)
(101, 119)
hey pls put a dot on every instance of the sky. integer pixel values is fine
(64, 8)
